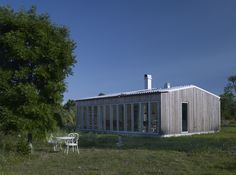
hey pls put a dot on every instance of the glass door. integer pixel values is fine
(184, 117)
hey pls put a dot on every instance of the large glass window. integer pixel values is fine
(95, 115)
(80, 117)
(154, 117)
(114, 111)
(128, 115)
(101, 117)
(121, 117)
(85, 117)
(107, 117)
(145, 117)
(136, 117)
(90, 120)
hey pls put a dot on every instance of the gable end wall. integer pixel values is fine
(203, 111)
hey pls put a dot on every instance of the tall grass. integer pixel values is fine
(99, 154)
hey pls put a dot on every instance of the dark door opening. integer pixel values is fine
(184, 117)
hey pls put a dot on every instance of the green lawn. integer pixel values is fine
(199, 154)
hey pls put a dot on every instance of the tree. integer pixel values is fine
(69, 115)
(231, 86)
(36, 56)
(228, 99)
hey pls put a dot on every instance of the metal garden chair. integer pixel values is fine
(53, 141)
(72, 143)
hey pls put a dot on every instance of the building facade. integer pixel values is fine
(165, 112)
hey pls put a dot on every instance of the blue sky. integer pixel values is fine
(118, 41)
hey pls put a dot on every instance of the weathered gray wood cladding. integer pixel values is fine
(152, 113)
(203, 111)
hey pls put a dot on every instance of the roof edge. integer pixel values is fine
(142, 92)
(194, 86)
(207, 92)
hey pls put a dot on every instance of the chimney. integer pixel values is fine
(147, 81)
(167, 85)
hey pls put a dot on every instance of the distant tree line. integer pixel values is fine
(228, 100)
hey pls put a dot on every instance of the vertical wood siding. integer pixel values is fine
(203, 111)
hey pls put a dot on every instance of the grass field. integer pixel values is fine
(199, 154)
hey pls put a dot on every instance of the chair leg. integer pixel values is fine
(56, 145)
(77, 149)
(66, 149)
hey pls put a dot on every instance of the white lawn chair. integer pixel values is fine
(73, 143)
(53, 141)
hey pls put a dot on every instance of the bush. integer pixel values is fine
(22, 147)
(88, 140)
(7, 143)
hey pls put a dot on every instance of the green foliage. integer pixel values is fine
(7, 143)
(70, 105)
(36, 56)
(66, 116)
(231, 86)
(22, 147)
(228, 100)
(69, 115)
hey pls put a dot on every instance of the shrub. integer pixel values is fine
(22, 147)
(7, 143)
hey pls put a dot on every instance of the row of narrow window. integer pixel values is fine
(98, 117)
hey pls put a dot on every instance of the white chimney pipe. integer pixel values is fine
(147, 81)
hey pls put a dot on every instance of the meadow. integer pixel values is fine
(199, 154)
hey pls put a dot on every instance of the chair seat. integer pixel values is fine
(52, 142)
(71, 144)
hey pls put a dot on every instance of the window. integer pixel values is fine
(128, 115)
(107, 117)
(114, 111)
(145, 117)
(95, 114)
(154, 117)
(136, 117)
(121, 117)
(80, 117)
(101, 117)
(90, 117)
(85, 117)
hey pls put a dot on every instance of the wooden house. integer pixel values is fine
(169, 111)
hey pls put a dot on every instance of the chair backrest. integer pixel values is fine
(51, 139)
(76, 137)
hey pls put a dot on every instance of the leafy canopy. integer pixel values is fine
(228, 99)
(36, 56)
